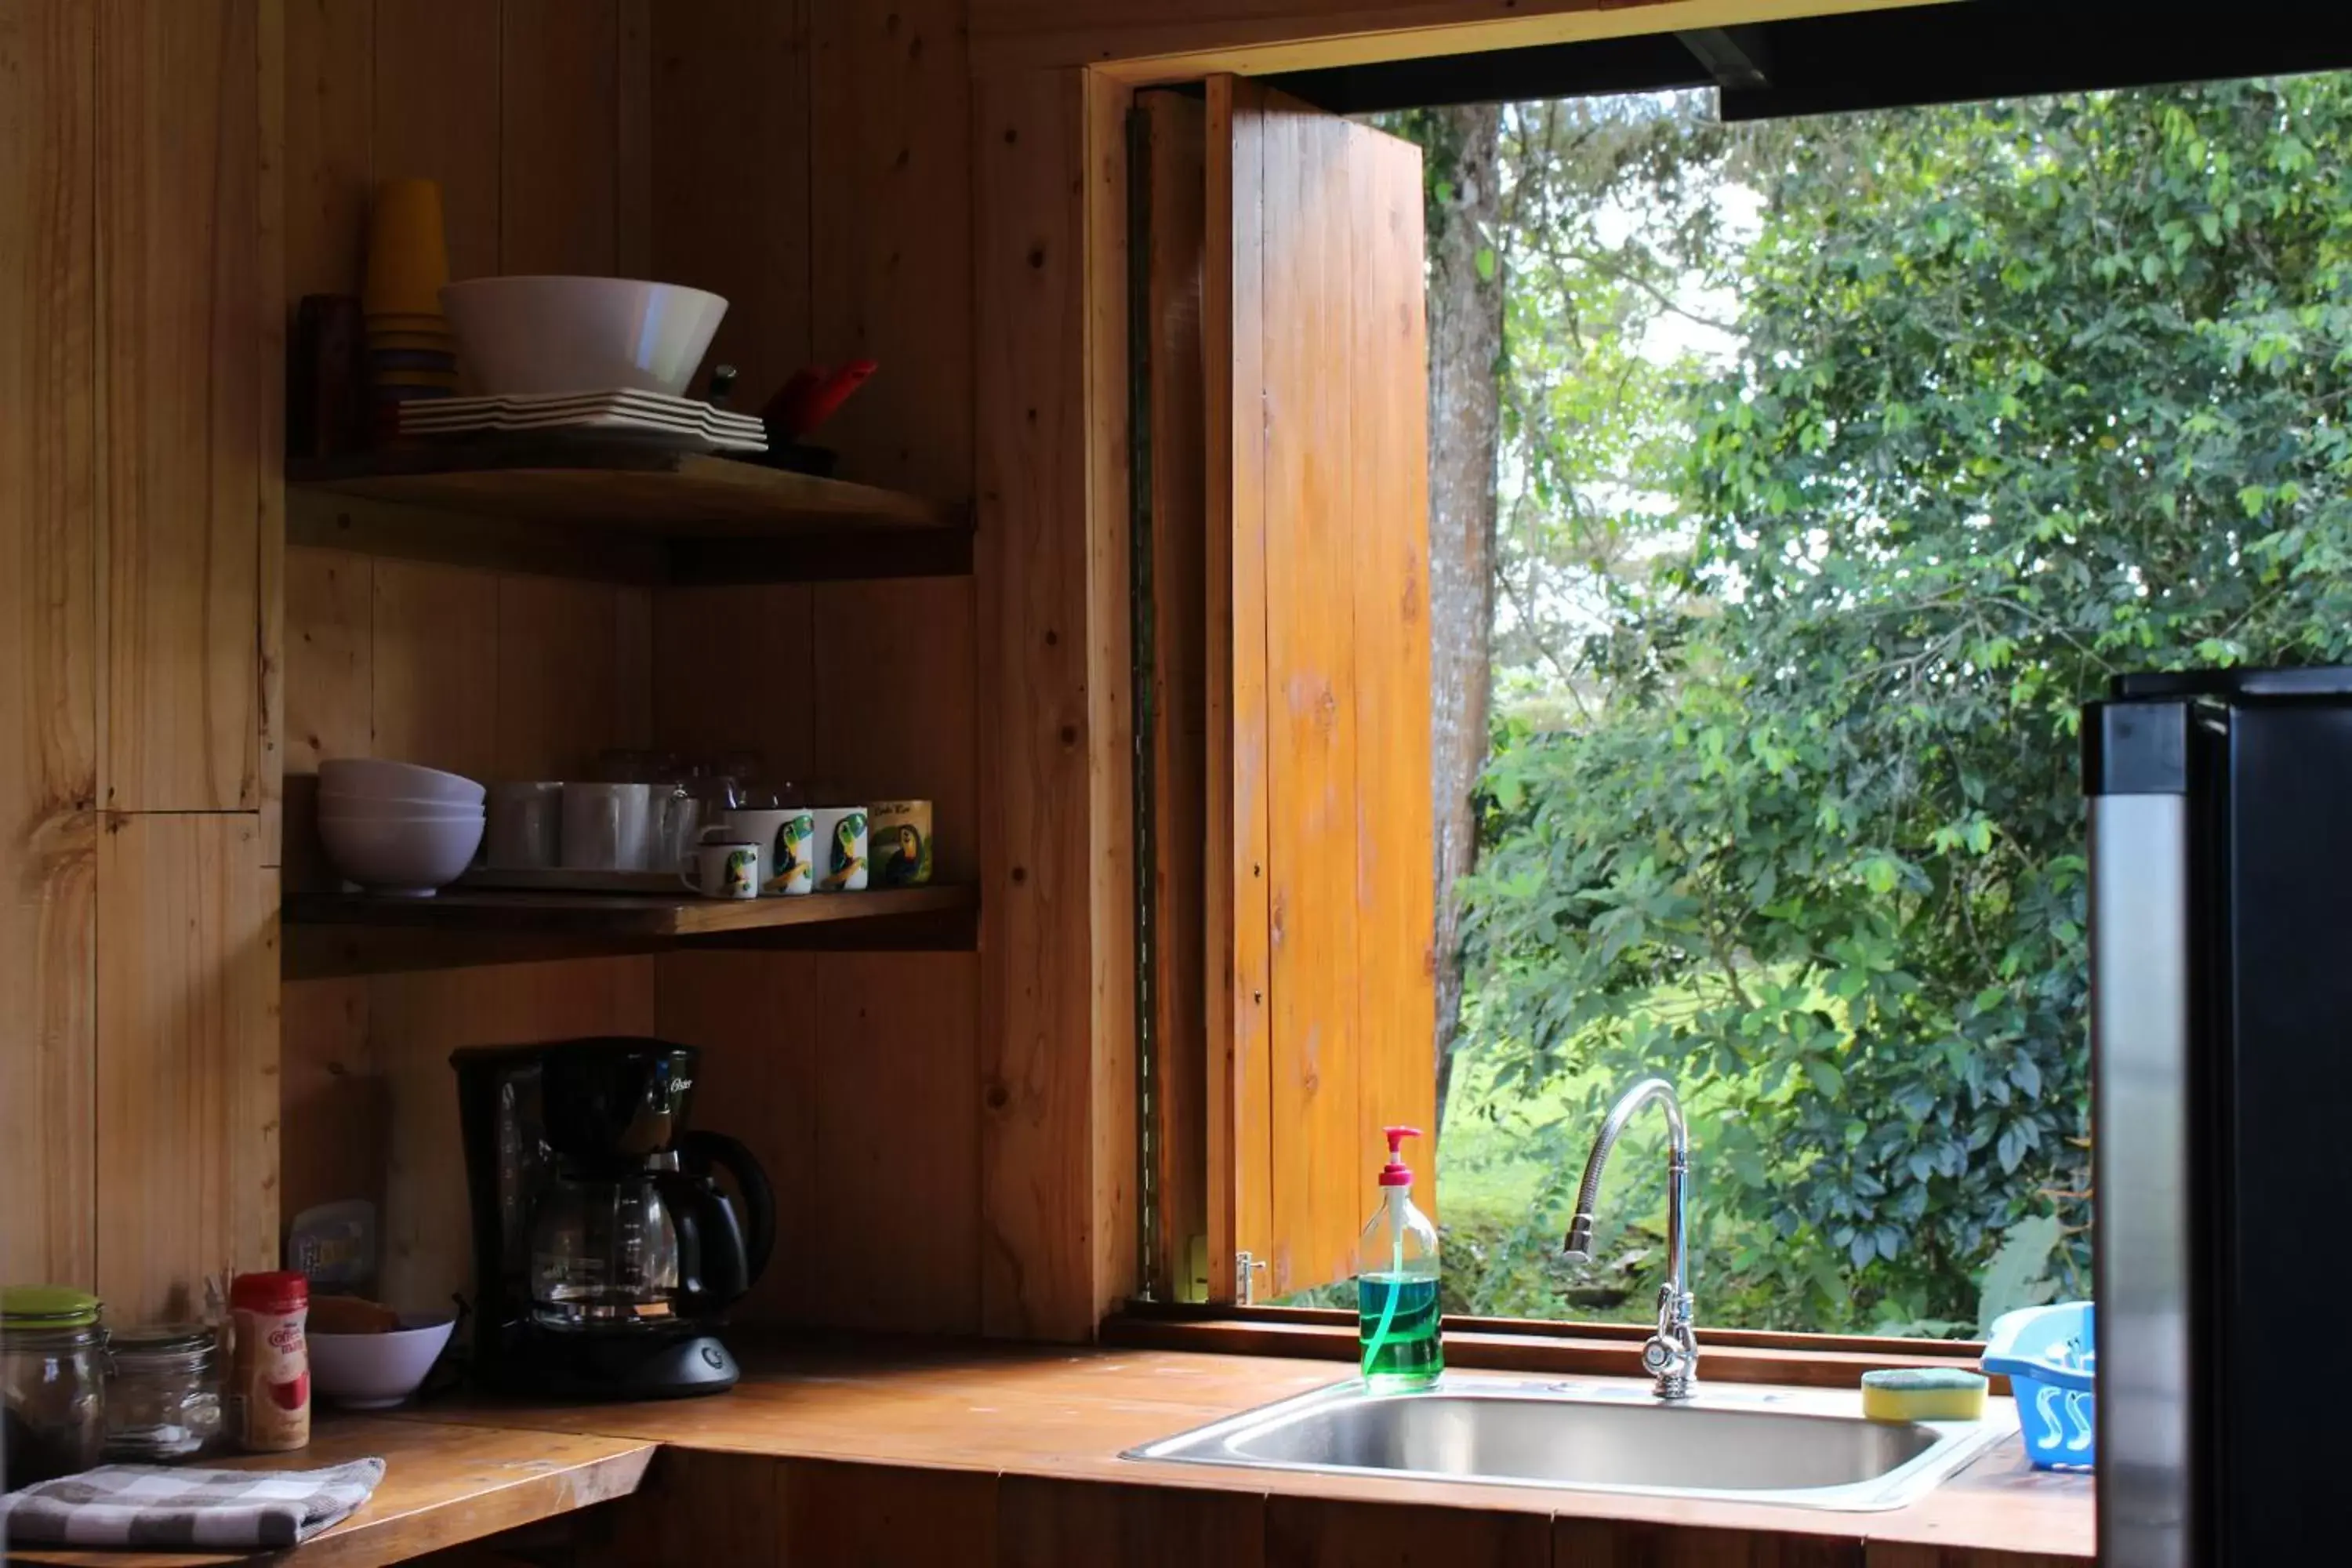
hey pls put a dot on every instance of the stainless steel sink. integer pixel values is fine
(1802, 1446)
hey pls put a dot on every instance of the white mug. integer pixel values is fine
(841, 849)
(611, 827)
(782, 835)
(524, 830)
(722, 870)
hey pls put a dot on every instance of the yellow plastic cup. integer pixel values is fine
(408, 254)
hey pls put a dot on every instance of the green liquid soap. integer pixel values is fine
(1407, 1355)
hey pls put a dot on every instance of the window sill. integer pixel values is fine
(1518, 1344)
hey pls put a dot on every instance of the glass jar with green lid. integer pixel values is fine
(53, 1382)
(163, 1398)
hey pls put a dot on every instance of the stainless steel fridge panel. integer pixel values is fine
(2140, 1021)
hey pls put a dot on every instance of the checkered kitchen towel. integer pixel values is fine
(149, 1505)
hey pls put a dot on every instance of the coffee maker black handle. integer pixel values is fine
(698, 1151)
(711, 1269)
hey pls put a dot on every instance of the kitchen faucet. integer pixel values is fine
(1670, 1355)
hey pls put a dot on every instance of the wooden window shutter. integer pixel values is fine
(1316, 889)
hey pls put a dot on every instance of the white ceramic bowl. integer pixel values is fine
(335, 800)
(415, 858)
(526, 335)
(397, 811)
(374, 1371)
(379, 780)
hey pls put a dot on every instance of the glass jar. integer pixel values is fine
(163, 1399)
(53, 1382)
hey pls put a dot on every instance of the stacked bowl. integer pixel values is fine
(396, 828)
(410, 352)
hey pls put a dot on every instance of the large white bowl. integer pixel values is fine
(379, 780)
(335, 800)
(525, 335)
(374, 1372)
(414, 857)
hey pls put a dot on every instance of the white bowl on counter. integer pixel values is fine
(375, 1372)
(373, 778)
(540, 335)
(403, 857)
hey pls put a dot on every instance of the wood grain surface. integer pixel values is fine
(442, 1485)
(187, 1063)
(48, 639)
(1039, 1036)
(1049, 1425)
(1175, 172)
(181, 327)
(1321, 612)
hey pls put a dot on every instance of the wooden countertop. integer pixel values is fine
(1067, 1415)
(443, 1484)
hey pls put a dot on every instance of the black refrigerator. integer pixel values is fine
(2220, 934)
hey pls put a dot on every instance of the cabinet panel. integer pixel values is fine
(183, 334)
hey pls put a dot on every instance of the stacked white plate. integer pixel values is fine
(683, 421)
(395, 828)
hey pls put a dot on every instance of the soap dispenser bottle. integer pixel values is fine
(1396, 1284)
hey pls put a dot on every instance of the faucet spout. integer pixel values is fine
(1672, 1353)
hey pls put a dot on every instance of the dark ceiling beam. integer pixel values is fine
(1734, 56)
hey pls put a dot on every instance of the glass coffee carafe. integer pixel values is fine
(603, 1253)
(643, 1243)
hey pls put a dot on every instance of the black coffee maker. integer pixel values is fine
(604, 1250)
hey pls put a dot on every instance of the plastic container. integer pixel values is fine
(270, 1392)
(2049, 1356)
(1397, 1338)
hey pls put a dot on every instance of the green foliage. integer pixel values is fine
(2025, 394)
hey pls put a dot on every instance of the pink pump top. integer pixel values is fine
(1396, 1173)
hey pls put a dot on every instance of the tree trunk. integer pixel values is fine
(1465, 352)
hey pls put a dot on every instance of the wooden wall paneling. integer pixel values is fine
(1313, 706)
(894, 703)
(187, 1059)
(330, 132)
(890, 236)
(697, 1506)
(733, 669)
(559, 136)
(1177, 173)
(435, 650)
(1389, 526)
(897, 1097)
(335, 1117)
(48, 638)
(896, 1069)
(564, 688)
(437, 115)
(1063, 1524)
(331, 666)
(1622, 1544)
(1239, 914)
(181, 333)
(880, 1514)
(1316, 1532)
(415, 1021)
(1113, 1217)
(270, 521)
(633, 173)
(730, 96)
(1038, 943)
(754, 1016)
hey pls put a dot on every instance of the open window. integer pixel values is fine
(1282, 464)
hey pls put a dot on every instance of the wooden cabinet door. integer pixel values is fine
(1317, 893)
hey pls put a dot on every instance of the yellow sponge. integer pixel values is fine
(1921, 1393)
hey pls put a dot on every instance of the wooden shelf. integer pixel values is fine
(620, 509)
(354, 933)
